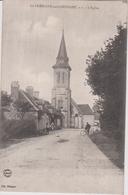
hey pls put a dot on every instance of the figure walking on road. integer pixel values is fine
(87, 127)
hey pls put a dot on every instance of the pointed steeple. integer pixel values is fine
(62, 54)
(62, 58)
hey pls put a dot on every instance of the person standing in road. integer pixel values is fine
(87, 127)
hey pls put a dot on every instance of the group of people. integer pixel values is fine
(52, 127)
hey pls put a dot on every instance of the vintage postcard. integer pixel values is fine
(63, 94)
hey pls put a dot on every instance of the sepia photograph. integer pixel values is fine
(63, 96)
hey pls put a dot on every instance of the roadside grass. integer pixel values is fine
(111, 146)
(13, 131)
(7, 143)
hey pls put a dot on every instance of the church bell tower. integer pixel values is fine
(61, 93)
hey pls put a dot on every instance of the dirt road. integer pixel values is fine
(60, 162)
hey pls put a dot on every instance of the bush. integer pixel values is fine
(2, 132)
(18, 129)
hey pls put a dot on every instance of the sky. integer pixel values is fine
(31, 40)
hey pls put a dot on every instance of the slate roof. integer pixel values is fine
(29, 99)
(75, 104)
(85, 109)
(62, 58)
(62, 51)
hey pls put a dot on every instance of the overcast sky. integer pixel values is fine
(31, 39)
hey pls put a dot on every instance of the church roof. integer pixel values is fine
(62, 58)
(62, 51)
(85, 109)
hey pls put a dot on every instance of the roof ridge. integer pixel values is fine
(25, 94)
(83, 104)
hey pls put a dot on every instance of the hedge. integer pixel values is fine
(10, 129)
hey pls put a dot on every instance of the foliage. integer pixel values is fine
(5, 99)
(106, 74)
(2, 132)
(18, 129)
(22, 107)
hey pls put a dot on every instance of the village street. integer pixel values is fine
(61, 162)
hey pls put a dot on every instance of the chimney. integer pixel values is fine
(15, 90)
(29, 90)
(36, 94)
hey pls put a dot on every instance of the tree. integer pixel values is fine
(22, 107)
(5, 99)
(106, 74)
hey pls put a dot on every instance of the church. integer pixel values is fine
(74, 115)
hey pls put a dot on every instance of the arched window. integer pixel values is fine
(58, 77)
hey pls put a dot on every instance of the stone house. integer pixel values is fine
(80, 115)
(39, 110)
